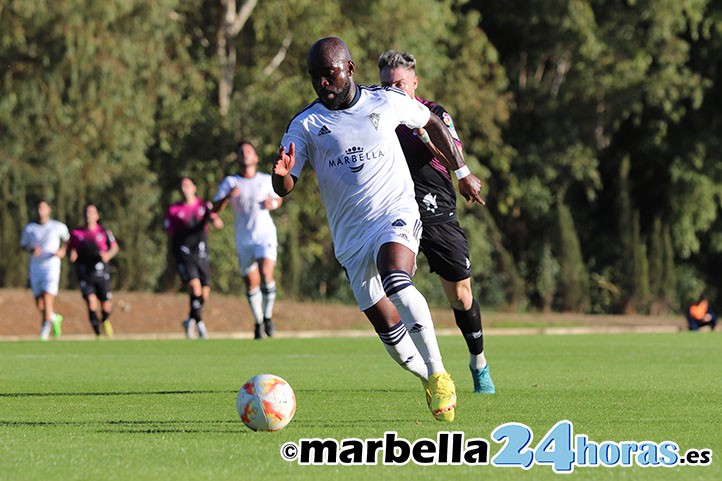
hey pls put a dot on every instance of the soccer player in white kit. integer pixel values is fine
(45, 240)
(348, 136)
(250, 194)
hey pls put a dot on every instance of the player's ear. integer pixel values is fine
(351, 68)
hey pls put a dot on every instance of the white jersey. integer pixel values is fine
(253, 222)
(49, 237)
(362, 173)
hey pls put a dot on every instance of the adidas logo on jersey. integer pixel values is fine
(323, 131)
(398, 223)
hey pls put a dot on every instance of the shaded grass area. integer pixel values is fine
(156, 410)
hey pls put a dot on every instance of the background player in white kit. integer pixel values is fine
(45, 240)
(250, 194)
(348, 136)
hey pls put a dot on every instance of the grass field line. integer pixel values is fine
(321, 333)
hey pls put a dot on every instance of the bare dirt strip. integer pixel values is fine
(140, 315)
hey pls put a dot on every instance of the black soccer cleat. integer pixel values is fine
(268, 327)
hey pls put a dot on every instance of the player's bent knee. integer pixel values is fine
(395, 281)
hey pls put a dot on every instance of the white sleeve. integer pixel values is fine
(410, 112)
(25, 239)
(64, 233)
(223, 189)
(295, 134)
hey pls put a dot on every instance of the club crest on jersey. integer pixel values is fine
(374, 118)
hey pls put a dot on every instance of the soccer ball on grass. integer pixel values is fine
(266, 403)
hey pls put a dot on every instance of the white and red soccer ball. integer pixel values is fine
(266, 403)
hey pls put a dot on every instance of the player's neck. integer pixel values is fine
(189, 200)
(353, 95)
(91, 225)
(248, 172)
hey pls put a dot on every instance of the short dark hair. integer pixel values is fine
(243, 142)
(395, 59)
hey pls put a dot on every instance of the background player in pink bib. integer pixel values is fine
(187, 225)
(91, 248)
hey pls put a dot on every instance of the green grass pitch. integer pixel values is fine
(165, 410)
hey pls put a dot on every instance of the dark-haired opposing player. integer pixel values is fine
(187, 225)
(443, 241)
(91, 248)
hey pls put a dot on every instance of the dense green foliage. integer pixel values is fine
(594, 124)
(160, 410)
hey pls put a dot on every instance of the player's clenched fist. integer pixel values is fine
(469, 188)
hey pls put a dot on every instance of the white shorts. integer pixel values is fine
(248, 255)
(361, 267)
(45, 279)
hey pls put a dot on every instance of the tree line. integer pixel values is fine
(594, 124)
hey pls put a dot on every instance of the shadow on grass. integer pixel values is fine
(137, 427)
(178, 392)
(107, 393)
(234, 427)
(176, 427)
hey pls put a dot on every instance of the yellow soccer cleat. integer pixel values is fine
(107, 328)
(441, 396)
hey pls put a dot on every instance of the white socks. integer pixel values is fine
(416, 316)
(255, 299)
(403, 350)
(477, 361)
(268, 292)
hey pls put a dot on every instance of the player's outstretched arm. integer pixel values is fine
(283, 181)
(469, 184)
(220, 204)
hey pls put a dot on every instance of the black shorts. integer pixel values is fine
(194, 267)
(94, 279)
(445, 247)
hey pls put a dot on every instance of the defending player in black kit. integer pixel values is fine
(443, 241)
